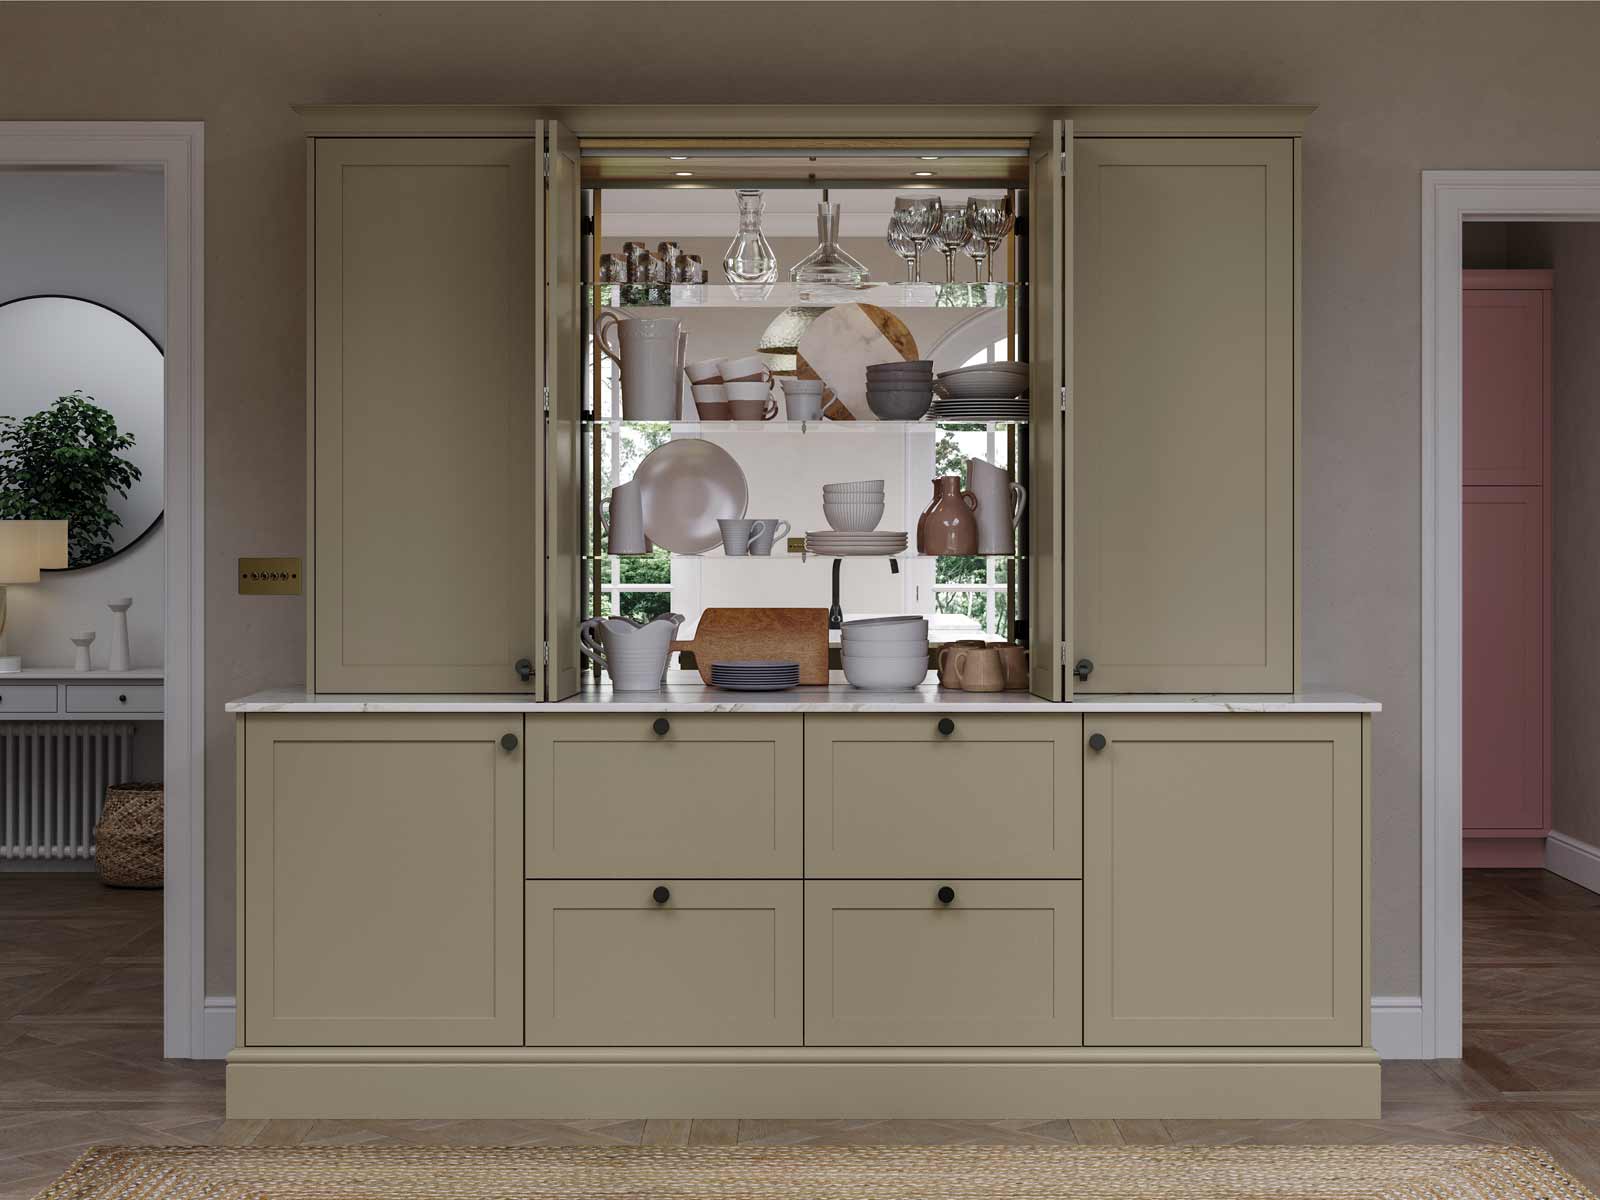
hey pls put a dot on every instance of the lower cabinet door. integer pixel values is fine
(1223, 881)
(663, 963)
(944, 963)
(382, 881)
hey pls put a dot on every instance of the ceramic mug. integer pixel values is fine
(625, 532)
(979, 671)
(1014, 661)
(751, 401)
(947, 665)
(736, 534)
(707, 370)
(752, 368)
(711, 401)
(761, 543)
(802, 403)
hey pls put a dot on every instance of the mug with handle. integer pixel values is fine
(737, 533)
(947, 666)
(751, 401)
(774, 530)
(979, 671)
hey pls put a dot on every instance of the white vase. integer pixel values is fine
(80, 655)
(119, 634)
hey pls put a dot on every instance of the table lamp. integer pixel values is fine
(26, 548)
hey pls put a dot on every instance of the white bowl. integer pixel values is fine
(887, 651)
(858, 624)
(870, 486)
(854, 517)
(885, 643)
(883, 674)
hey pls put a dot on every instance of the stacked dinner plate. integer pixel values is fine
(844, 544)
(885, 652)
(987, 392)
(755, 676)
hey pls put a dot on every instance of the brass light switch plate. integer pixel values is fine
(269, 576)
(797, 545)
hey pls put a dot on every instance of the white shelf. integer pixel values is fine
(784, 295)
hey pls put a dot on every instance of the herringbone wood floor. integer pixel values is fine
(80, 1051)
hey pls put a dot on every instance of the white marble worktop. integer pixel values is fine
(684, 693)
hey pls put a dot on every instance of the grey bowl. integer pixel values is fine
(900, 404)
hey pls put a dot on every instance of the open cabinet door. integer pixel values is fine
(561, 523)
(1050, 352)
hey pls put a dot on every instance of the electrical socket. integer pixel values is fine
(797, 545)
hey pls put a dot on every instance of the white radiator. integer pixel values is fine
(53, 780)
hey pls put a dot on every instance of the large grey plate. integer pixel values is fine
(686, 487)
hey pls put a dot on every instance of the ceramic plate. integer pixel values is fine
(686, 487)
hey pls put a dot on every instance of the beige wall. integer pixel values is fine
(1401, 87)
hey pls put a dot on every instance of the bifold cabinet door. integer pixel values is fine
(426, 379)
(1184, 410)
(382, 881)
(664, 963)
(1223, 881)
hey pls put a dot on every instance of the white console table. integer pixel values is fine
(56, 694)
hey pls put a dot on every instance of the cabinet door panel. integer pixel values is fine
(1184, 414)
(889, 964)
(1505, 685)
(1505, 352)
(382, 886)
(716, 964)
(1223, 881)
(425, 384)
(891, 796)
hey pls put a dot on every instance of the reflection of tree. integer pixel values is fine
(61, 463)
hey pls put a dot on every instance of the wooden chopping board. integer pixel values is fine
(838, 347)
(762, 635)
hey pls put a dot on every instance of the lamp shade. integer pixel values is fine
(28, 546)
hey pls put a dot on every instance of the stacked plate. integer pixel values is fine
(844, 544)
(755, 676)
(995, 391)
(885, 652)
(979, 411)
(900, 391)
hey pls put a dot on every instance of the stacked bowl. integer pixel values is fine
(853, 507)
(885, 653)
(901, 391)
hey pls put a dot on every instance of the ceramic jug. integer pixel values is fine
(650, 353)
(949, 524)
(634, 655)
(1000, 502)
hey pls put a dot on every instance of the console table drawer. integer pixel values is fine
(113, 697)
(892, 964)
(27, 698)
(714, 963)
(891, 795)
(710, 796)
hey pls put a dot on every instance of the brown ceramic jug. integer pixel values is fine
(948, 526)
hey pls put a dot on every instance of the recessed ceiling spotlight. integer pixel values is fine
(922, 174)
(677, 158)
(930, 158)
(683, 174)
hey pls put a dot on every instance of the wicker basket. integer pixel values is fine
(128, 840)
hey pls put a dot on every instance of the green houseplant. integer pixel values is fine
(63, 462)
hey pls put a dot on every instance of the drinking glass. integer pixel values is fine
(920, 216)
(989, 218)
(903, 246)
(951, 236)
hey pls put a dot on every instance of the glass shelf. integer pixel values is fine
(784, 295)
(880, 428)
(798, 556)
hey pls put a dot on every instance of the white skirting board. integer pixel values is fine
(1396, 1025)
(1573, 860)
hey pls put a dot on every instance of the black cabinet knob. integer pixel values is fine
(661, 726)
(122, 699)
(661, 895)
(1082, 669)
(1097, 741)
(946, 894)
(509, 742)
(946, 726)
(524, 669)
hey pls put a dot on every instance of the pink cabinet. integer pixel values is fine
(1506, 567)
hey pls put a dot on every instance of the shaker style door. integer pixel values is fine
(425, 382)
(1184, 412)
(1505, 383)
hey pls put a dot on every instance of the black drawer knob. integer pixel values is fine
(122, 699)
(661, 895)
(509, 742)
(1097, 742)
(946, 894)
(661, 726)
(946, 726)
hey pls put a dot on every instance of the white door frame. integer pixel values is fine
(177, 148)
(1448, 199)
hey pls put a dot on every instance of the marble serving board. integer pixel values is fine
(841, 344)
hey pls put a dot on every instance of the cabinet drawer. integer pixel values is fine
(888, 964)
(716, 964)
(715, 796)
(27, 698)
(890, 795)
(113, 697)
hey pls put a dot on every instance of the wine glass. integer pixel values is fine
(920, 216)
(989, 218)
(951, 236)
(903, 246)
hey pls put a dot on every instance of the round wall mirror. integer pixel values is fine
(81, 410)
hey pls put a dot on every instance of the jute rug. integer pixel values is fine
(816, 1173)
